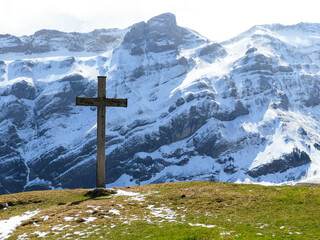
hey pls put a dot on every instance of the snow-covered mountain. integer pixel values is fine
(45, 43)
(243, 110)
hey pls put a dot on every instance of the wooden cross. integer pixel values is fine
(101, 102)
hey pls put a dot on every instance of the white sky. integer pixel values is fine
(216, 19)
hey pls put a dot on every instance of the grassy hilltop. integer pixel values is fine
(187, 210)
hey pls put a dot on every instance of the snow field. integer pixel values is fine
(8, 226)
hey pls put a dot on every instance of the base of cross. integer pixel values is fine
(98, 192)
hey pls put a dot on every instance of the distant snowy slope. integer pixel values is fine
(46, 43)
(243, 110)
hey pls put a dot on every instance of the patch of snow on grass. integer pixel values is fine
(9, 225)
(263, 183)
(138, 198)
(60, 227)
(201, 225)
(45, 218)
(134, 196)
(40, 234)
(79, 233)
(22, 237)
(125, 193)
(96, 208)
(69, 219)
(89, 219)
(112, 226)
(114, 211)
(226, 233)
(162, 212)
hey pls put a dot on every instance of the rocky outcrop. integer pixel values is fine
(212, 51)
(239, 110)
(162, 33)
(13, 171)
(159, 34)
(23, 89)
(294, 159)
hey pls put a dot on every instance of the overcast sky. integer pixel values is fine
(216, 19)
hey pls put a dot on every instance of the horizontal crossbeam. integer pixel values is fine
(107, 102)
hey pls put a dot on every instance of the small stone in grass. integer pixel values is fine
(80, 220)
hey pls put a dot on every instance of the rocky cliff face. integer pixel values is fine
(243, 109)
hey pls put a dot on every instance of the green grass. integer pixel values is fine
(188, 208)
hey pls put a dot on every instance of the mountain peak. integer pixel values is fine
(301, 27)
(164, 18)
(160, 33)
(296, 34)
(48, 32)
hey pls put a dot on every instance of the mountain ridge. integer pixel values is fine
(236, 111)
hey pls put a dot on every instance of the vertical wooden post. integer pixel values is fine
(101, 102)
(101, 134)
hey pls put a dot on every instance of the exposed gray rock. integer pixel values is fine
(17, 112)
(55, 166)
(62, 102)
(23, 89)
(172, 108)
(138, 72)
(317, 146)
(135, 39)
(67, 62)
(162, 33)
(43, 164)
(12, 138)
(251, 50)
(159, 34)
(230, 169)
(78, 84)
(83, 176)
(284, 69)
(180, 101)
(13, 171)
(255, 62)
(57, 103)
(284, 101)
(190, 97)
(211, 145)
(142, 169)
(302, 132)
(295, 159)
(21, 68)
(210, 52)
(2, 68)
(311, 91)
(15, 44)
(239, 110)
(179, 127)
